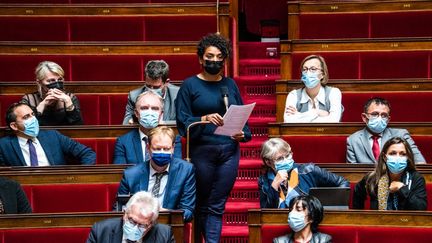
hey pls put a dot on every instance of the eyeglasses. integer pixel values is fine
(311, 69)
(281, 157)
(141, 226)
(375, 115)
(53, 80)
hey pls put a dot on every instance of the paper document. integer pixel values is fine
(234, 119)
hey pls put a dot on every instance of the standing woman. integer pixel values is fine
(394, 184)
(53, 104)
(316, 101)
(216, 157)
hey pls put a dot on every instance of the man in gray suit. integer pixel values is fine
(364, 146)
(156, 80)
(138, 224)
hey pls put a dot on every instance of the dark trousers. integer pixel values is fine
(216, 171)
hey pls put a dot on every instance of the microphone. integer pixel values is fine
(224, 91)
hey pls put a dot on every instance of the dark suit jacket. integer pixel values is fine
(13, 197)
(360, 151)
(55, 145)
(128, 149)
(180, 189)
(111, 231)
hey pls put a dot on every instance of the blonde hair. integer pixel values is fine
(47, 66)
(161, 130)
(324, 68)
(270, 147)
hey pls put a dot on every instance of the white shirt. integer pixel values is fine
(42, 159)
(335, 112)
(143, 144)
(164, 181)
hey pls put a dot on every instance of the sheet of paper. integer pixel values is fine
(234, 119)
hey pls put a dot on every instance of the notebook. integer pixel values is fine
(333, 198)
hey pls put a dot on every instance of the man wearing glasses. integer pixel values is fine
(156, 80)
(364, 146)
(138, 224)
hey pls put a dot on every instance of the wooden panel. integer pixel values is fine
(98, 48)
(274, 217)
(346, 128)
(97, 87)
(364, 85)
(91, 131)
(177, 9)
(174, 218)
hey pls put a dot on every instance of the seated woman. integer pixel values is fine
(315, 102)
(394, 184)
(306, 212)
(282, 179)
(12, 198)
(54, 106)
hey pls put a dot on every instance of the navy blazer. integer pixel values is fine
(13, 197)
(180, 189)
(55, 145)
(128, 149)
(111, 231)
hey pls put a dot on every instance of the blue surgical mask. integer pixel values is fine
(161, 158)
(377, 125)
(296, 221)
(132, 232)
(310, 79)
(31, 127)
(149, 118)
(284, 164)
(396, 164)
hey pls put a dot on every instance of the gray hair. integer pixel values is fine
(156, 69)
(150, 93)
(272, 146)
(147, 203)
(47, 66)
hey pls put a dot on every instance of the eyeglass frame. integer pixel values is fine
(311, 69)
(377, 114)
(141, 226)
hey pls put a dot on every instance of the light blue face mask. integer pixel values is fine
(31, 127)
(377, 125)
(310, 79)
(284, 164)
(156, 91)
(132, 232)
(296, 221)
(396, 164)
(149, 118)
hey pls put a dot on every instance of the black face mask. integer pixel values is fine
(56, 85)
(213, 67)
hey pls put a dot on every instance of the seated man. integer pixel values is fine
(156, 80)
(171, 180)
(364, 146)
(30, 147)
(131, 148)
(13, 200)
(139, 224)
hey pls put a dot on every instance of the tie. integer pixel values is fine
(156, 187)
(146, 155)
(33, 154)
(375, 147)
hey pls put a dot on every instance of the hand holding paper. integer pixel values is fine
(234, 120)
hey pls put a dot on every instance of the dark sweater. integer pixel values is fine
(197, 98)
(13, 197)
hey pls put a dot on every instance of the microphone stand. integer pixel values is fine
(188, 136)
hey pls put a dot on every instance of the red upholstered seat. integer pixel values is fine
(401, 105)
(45, 235)
(401, 24)
(104, 148)
(21, 68)
(392, 234)
(71, 198)
(318, 149)
(33, 29)
(103, 109)
(333, 26)
(371, 65)
(5, 102)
